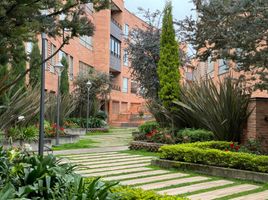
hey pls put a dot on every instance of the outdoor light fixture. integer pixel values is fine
(89, 85)
(59, 69)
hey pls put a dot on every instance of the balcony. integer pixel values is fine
(116, 87)
(189, 76)
(116, 29)
(115, 63)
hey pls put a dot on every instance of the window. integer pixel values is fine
(125, 85)
(61, 55)
(29, 47)
(89, 8)
(210, 69)
(223, 67)
(86, 41)
(126, 30)
(71, 68)
(84, 68)
(115, 47)
(53, 59)
(46, 52)
(125, 58)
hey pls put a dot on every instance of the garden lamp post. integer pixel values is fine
(59, 68)
(88, 84)
(42, 97)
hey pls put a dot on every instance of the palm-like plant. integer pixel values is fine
(219, 107)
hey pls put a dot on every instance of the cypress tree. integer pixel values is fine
(18, 65)
(168, 65)
(64, 81)
(35, 65)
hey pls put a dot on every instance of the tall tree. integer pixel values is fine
(233, 30)
(168, 66)
(23, 20)
(18, 65)
(64, 81)
(35, 59)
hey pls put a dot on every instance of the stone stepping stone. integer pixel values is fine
(223, 192)
(163, 184)
(122, 171)
(98, 155)
(135, 175)
(102, 157)
(112, 164)
(256, 196)
(195, 187)
(152, 179)
(109, 159)
(88, 154)
(87, 171)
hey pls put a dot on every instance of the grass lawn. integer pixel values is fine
(81, 144)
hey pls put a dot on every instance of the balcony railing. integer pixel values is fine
(115, 63)
(116, 29)
(116, 87)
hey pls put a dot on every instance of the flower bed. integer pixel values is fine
(148, 146)
(214, 153)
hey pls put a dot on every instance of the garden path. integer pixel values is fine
(135, 170)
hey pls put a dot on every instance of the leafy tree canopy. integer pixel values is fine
(233, 30)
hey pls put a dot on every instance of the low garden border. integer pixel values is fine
(213, 170)
(148, 146)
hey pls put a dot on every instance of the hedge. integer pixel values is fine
(213, 153)
(128, 193)
(194, 135)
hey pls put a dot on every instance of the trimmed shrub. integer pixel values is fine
(128, 193)
(147, 146)
(213, 153)
(147, 127)
(194, 135)
(93, 122)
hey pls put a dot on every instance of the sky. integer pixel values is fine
(181, 8)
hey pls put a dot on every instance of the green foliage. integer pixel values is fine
(67, 105)
(147, 127)
(100, 89)
(18, 65)
(194, 135)
(93, 122)
(213, 153)
(128, 193)
(26, 176)
(35, 65)
(101, 115)
(168, 65)
(64, 80)
(81, 144)
(28, 134)
(22, 103)
(218, 107)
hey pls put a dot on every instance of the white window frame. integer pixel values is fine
(126, 30)
(125, 85)
(71, 67)
(223, 67)
(125, 58)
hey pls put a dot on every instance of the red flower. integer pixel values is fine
(54, 125)
(232, 145)
(61, 128)
(237, 147)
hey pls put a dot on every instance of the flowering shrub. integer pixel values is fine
(234, 147)
(50, 130)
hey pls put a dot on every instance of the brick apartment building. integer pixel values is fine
(103, 52)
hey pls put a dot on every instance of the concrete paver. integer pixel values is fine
(223, 192)
(135, 175)
(195, 187)
(172, 182)
(256, 196)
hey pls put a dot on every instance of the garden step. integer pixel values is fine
(109, 159)
(223, 192)
(152, 179)
(89, 154)
(112, 163)
(256, 196)
(195, 187)
(116, 172)
(172, 182)
(87, 171)
(135, 175)
(98, 157)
